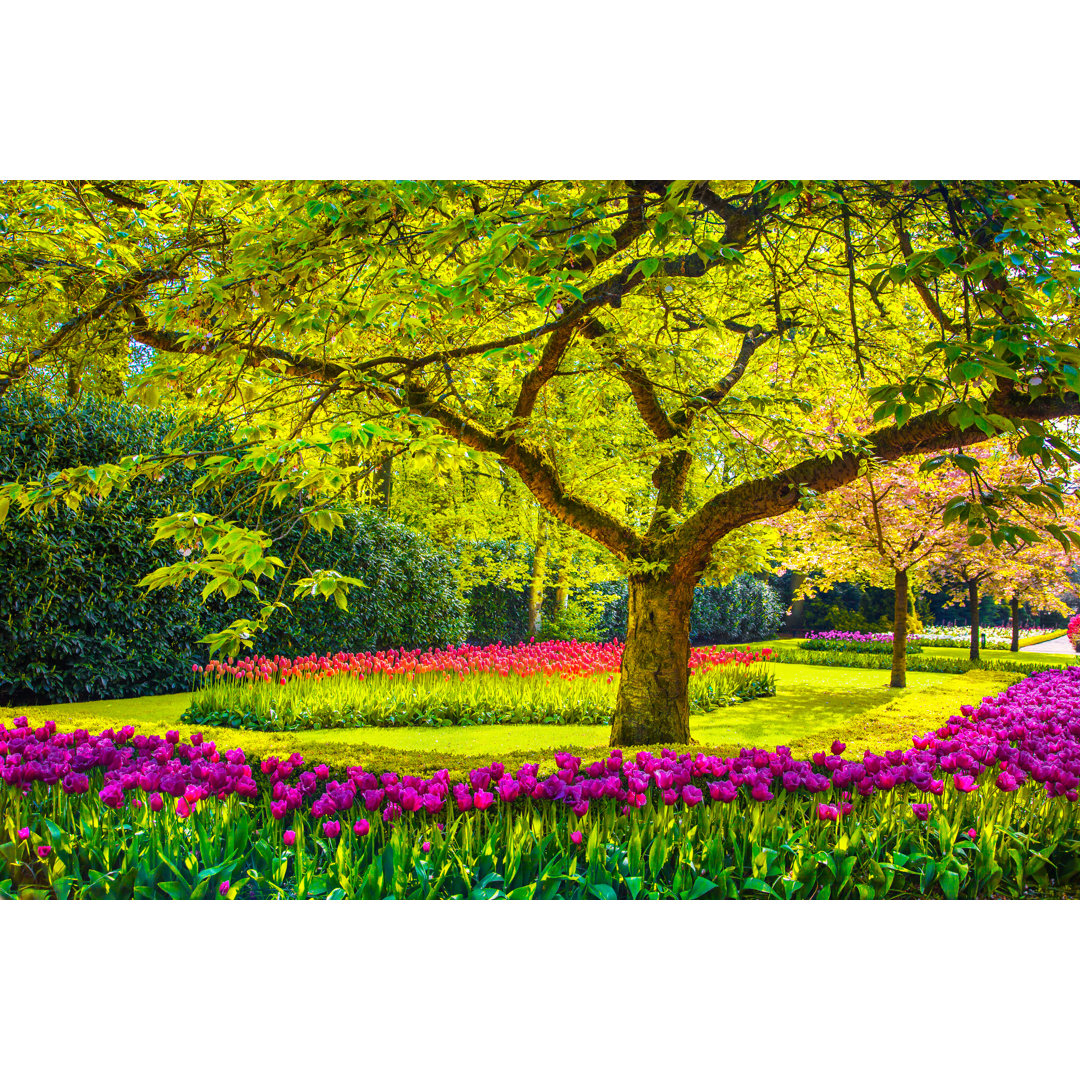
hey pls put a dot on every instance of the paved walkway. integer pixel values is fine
(1057, 645)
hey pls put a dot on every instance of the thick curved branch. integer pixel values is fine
(648, 404)
(757, 500)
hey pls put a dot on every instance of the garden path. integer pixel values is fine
(1057, 645)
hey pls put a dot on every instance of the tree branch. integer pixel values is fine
(535, 472)
(947, 325)
(757, 500)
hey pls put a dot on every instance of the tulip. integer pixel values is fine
(575, 837)
(425, 847)
(24, 833)
(483, 799)
(289, 838)
(223, 888)
(331, 829)
(361, 827)
(921, 810)
(44, 851)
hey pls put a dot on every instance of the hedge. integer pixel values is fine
(75, 626)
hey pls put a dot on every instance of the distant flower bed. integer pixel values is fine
(852, 637)
(554, 682)
(840, 645)
(997, 637)
(1074, 631)
(941, 637)
(987, 802)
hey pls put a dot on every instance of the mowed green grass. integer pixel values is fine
(812, 706)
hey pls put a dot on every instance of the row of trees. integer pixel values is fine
(664, 366)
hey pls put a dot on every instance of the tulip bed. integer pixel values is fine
(941, 637)
(554, 682)
(985, 805)
(997, 637)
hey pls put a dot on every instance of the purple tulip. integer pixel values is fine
(964, 783)
(724, 791)
(44, 850)
(156, 802)
(331, 829)
(361, 827)
(24, 833)
(223, 888)
(288, 838)
(575, 837)
(827, 812)
(691, 795)
(921, 810)
(425, 847)
(483, 799)
(838, 747)
(509, 789)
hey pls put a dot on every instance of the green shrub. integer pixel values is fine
(575, 622)
(410, 598)
(497, 611)
(76, 626)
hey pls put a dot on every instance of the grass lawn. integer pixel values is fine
(812, 706)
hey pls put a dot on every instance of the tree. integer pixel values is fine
(966, 560)
(873, 530)
(662, 364)
(1036, 575)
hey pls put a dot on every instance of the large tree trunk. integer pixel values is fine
(899, 637)
(536, 586)
(973, 607)
(653, 705)
(1014, 604)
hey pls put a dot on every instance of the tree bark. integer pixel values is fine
(973, 607)
(1014, 604)
(536, 586)
(798, 607)
(899, 640)
(386, 481)
(562, 589)
(653, 702)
